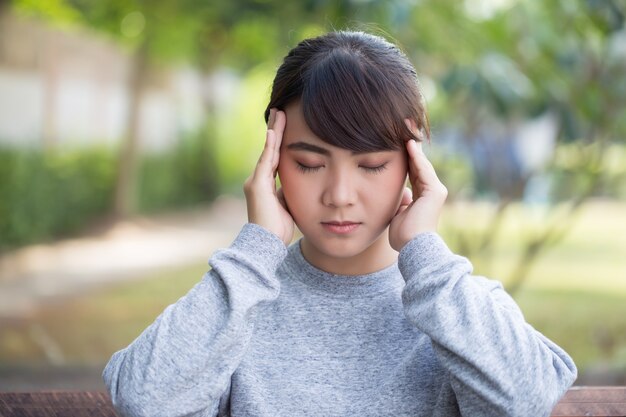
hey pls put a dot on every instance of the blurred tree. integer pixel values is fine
(4, 8)
(489, 65)
(512, 61)
(157, 33)
(136, 26)
(238, 33)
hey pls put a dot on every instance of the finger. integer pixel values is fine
(423, 170)
(268, 161)
(280, 122)
(264, 164)
(424, 178)
(427, 180)
(413, 170)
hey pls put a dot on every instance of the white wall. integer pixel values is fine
(21, 108)
(71, 89)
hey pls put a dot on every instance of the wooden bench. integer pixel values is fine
(577, 402)
(592, 401)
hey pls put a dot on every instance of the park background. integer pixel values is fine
(128, 127)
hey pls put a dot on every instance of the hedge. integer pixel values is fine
(54, 193)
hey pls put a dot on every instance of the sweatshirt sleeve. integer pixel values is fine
(182, 363)
(498, 364)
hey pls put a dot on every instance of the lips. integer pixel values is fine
(341, 227)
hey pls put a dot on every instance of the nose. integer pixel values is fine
(340, 190)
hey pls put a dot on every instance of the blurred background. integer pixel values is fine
(127, 128)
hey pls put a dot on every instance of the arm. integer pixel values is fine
(182, 363)
(498, 364)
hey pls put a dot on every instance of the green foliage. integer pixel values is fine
(484, 63)
(240, 133)
(47, 194)
(453, 171)
(576, 165)
(50, 194)
(589, 326)
(56, 11)
(185, 176)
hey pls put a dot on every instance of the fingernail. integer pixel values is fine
(270, 123)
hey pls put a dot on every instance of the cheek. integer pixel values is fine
(394, 182)
(392, 188)
(285, 171)
(294, 188)
(402, 183)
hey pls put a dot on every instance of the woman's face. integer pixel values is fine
(323, 184)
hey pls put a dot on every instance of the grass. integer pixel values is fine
(575, 294)
(589, 326)
(89, 328)
(591, 258)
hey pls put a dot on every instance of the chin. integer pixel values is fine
(337, 247)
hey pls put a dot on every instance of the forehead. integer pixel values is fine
(299, 137)
(296, 125)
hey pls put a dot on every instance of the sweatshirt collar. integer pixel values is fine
(384, 280)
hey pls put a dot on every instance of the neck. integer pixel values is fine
(379, 255)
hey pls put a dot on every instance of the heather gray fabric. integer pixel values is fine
(267, 334)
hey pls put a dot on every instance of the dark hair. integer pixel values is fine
(356, 90)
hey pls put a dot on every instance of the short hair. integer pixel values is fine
(356, 90)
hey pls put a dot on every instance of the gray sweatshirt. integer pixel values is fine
(265, 333)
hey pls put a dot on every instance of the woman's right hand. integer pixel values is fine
(266, 205)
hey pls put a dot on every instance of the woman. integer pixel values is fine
(369, 313)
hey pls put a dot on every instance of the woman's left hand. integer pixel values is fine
(420, 207)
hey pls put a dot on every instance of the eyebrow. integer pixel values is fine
(304, 146)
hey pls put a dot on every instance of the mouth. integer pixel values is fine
(343, 223)
(342, 227)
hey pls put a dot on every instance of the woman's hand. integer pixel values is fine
(266, 206)
(420, 208)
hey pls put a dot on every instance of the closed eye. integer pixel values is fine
(306, 169)
(376, 170)
(370, 169)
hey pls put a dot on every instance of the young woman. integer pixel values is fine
(369, 313)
